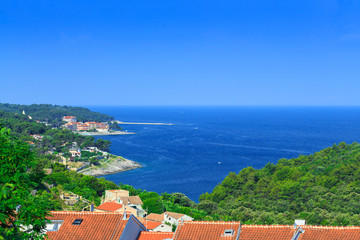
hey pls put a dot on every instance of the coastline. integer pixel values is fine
(105, 133)
(115, 164)
(141, 123)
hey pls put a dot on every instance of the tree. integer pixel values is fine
(22, 214)
(103, 145)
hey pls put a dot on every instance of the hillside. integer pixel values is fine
(322, 188)
(53, 113)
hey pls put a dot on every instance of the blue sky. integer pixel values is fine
(180, 52)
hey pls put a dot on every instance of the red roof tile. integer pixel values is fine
(155, 235)
(175, 215)
(215, 230)
(155, 217)
(265, 232)
(206, 230)
(95, 226)
(151, 225)
(110, 206)
(329, 233)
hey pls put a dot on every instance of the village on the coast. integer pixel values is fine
(121, 217)
(90, 128)
(88, 160)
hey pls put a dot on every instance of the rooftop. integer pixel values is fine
(151, 225)
(155, 217)
(155, 236)
(132, 199)
(175, 215)
(89, 225)
(110, 206)
(200, 230)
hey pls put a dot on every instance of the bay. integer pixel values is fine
(206, 143)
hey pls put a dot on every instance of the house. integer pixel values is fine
(131, 203)
(101, 127)
(155, 217)
(90, 149)
(109, 207)
(158, 227)
(155, 235)
(113, 195)
(83, 127)
(92, 226)
(168, 217)
(69, 119)
(174, 218)
(75, 152)
(92, 125)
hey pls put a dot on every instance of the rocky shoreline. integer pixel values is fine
(119, 164)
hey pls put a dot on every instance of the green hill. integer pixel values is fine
(54, 113)
(322, 188)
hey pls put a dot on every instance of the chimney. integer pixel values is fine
(297, 225)
(124, 215)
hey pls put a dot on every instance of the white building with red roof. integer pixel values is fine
(69, 119)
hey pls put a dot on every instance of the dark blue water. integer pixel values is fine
(207, 143)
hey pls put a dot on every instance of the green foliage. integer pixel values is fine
(53, 113)
(89, 187)
(17, 181)
(115, 126)
(152, 202)
(322, 188)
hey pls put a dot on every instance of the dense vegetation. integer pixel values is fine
(174, 202)
(23, 202)
(53, 114)
(322, 188)
(53, 138)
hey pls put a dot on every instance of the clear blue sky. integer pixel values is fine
(242, 52)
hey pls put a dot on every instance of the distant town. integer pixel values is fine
(91, 128)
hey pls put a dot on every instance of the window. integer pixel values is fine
(229, 232)
(77, 221)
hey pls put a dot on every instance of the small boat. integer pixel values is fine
(219, 162)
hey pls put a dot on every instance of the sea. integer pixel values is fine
(205, 144)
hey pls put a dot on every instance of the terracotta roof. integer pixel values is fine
(69, 117)
(329, 233)
(132, 199)
(265, 232)
(151, 225)
(175, 215)
(207, 231)
(155, 217)
(110, 206)
(117, 190)
(215, 230)
(94, 226)
(155, 235)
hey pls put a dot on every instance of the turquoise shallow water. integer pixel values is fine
(206, 143)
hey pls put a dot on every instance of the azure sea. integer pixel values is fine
(205, 144)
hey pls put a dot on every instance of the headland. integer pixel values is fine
(112, 165)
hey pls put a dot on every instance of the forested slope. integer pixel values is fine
(322, 188)
(54, 113)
